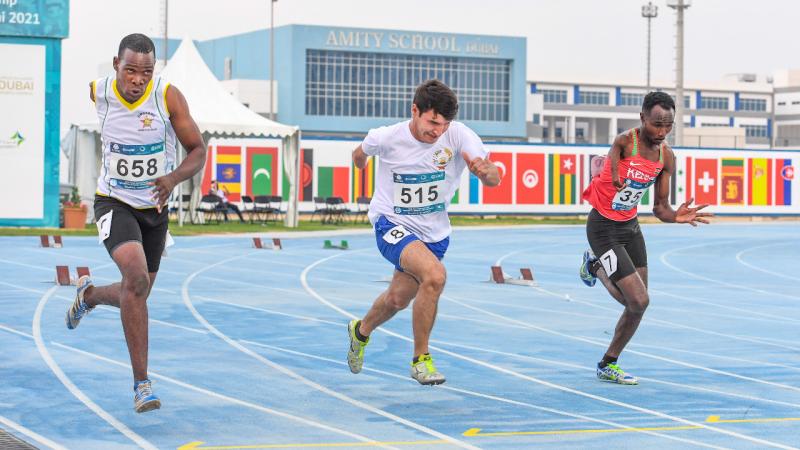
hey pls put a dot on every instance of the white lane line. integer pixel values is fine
(550, 362)
(663, 259)
(635, 352)
(206, 392)
(760, 269)
(31, 434)
(74, 390)
(670, 324)
(288, 372)
(748, 312)
(481, 395)
(304, 281)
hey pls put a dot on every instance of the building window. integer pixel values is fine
(752, 104)
(755, 130)
(781, 103)
(359, 84)
(719, 103)
(554, 96)
(593, 98)
(631, 99)
(536, 119)
(687, 101)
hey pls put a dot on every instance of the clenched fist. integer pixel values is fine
(483, 169)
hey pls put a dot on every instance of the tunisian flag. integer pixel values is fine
(530, 178)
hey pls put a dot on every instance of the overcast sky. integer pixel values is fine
(567, 39)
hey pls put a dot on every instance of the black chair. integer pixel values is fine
(321, 208)
(362, 208)
(248, 205)
(211, 206)
(276, 204)
(337, 209)
(262, 208)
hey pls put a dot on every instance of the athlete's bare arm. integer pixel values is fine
(661, 206)
(190, 138)
(360, 158)
(615, 154)
(91, 90)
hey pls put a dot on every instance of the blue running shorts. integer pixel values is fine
(392, 239)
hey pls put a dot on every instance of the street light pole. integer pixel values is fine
(649, 12)
(271, 56)
(679, 6)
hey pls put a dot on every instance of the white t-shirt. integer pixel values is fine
(415, 180)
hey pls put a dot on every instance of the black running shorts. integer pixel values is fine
(130, 224)
(618, 245)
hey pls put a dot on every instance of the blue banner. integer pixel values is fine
(34, 18)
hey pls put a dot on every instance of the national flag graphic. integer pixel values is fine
(229, 171)
(333, 182)
(530, 178)
(454, 200)
(262, 165)
(784, 176)
(364, 180)
(561, 171)
(305, 191)
(732, 187)
(760, 186)
(474, 189)
(502, 193)
(705, 184)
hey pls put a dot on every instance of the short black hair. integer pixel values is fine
(435, 95)
(137, 42)
(657, 98)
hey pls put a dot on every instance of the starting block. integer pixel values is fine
(63, 278)
(44, 239)
(276, 244)
(329, 245)
(500, 277)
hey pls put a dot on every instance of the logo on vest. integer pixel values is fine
(146, 118)
(441, 157)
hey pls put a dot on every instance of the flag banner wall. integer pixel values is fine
(536, 178)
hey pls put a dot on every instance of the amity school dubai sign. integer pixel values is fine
(34, 18)
(363, 39)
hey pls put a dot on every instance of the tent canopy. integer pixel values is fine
(217, 114)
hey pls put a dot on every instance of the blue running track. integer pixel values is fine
(248, 347)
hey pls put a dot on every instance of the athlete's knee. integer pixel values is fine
(136, 283)
(396, 301)
(435, 280)
(638, 304)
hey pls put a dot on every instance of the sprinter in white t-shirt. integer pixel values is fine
(421, 163)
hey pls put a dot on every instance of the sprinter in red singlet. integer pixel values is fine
(638, 159)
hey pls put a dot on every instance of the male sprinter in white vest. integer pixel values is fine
(421, 163)
(141, 120)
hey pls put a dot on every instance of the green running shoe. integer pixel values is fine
(614, 374)
(425, 372)
(355, 354)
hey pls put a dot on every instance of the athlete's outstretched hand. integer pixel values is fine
(687, 214)
(162, 189)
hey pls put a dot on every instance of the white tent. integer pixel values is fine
(217, 114)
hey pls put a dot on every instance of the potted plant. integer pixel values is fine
(74, 212)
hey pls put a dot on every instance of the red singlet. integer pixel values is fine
(636, 173)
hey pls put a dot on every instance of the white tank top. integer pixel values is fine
(138, 141)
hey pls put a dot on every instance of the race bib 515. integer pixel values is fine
(416, 194)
